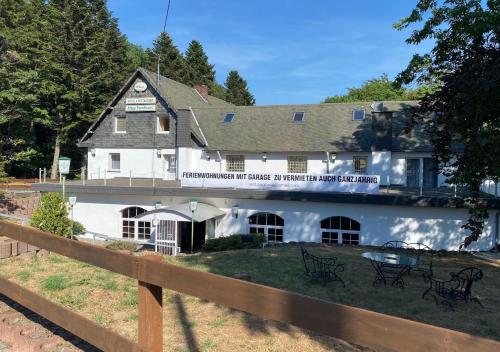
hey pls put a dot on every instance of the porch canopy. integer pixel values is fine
(203, 212)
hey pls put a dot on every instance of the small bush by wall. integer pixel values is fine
(233, 242)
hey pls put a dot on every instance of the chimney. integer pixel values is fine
(202, 90)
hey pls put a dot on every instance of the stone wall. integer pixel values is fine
(22, 207)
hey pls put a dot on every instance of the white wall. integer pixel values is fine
(437, 227)
(140, 163)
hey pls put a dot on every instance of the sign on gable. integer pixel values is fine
(140, 108)
(148, 100)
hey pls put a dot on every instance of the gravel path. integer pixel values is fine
(21, 330)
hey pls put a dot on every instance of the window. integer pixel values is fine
(358, 115)
(360, 164)
(297, 164)
(132, 228)
(270, 225)
(229, 117)
(340, 230)
(235, 163)
(298, 116)
(120, 124)
(163, 124)
(114, 162)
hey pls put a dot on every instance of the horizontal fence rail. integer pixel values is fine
(359, 326)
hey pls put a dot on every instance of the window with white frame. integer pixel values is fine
(267, 224)
(235, 163)
(114, 161)
(162, 124)
(133, 228)
(340, 230)
(297, 164)
(120, 124)
(360, 164)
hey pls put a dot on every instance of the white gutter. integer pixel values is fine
(198, 125)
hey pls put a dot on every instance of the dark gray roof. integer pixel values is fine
(326, 127)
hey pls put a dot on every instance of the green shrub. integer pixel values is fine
(52, 215)
(232, 242)
(78, 228)
(122, 246)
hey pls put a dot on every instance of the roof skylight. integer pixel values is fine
(358, 114)
(229, 117)
(298, 116)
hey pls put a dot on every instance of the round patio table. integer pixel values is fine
(389, 267)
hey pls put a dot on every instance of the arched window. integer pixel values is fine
(340, 230)
(133, 228)
(270, 225)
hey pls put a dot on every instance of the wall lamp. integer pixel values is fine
(158, 152)
(264, 157)
(92, 151)
(234, 210)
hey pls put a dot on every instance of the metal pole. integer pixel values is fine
(44, 174)
(63, 186)
(130, 178)
(192, 231)
(84, 171)
(105, 177)
(40, 175)
(72, 223)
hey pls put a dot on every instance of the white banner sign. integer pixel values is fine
(283, 182)
(141, 108)
(149, 100)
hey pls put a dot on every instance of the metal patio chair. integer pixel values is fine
(458, 288)
(321, 268)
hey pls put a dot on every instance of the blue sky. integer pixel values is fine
(288, 51)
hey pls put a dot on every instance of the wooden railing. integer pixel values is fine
(359, 326)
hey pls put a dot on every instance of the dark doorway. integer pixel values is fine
(184, 231)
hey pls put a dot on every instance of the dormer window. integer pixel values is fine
(298, 116)
(163, 124)
(358, 114)
(120, 124)
(229, 117)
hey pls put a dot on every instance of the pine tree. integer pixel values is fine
(237, 90)
(199, 70)
(20, 42)
(172, 63)
(83, 66)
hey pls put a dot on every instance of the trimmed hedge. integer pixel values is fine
(232, 242)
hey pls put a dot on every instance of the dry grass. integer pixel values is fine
(192, 324)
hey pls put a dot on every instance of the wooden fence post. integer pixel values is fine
(150, 312)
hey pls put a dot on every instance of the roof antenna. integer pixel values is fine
(164, 28)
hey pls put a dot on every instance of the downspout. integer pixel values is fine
(327, 162)
(220, 161)
(496, 231)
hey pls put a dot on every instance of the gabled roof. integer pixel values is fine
(326, 127)
(175, 94)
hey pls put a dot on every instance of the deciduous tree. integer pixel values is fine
(462, 116)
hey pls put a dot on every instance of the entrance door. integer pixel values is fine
(412, 172)
(166, 237)
(170, 167)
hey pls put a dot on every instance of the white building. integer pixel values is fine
(153, 134)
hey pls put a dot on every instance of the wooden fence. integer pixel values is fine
(359, 326)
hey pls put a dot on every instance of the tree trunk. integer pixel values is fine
(55, 160)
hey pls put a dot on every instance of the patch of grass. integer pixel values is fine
(131, 317)
(218, 322)
(73, 300)
(23, 275)
(110, 284)
(57, 259)
(208, 345)
(130, 299)
(122, 245)
(55, 283)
